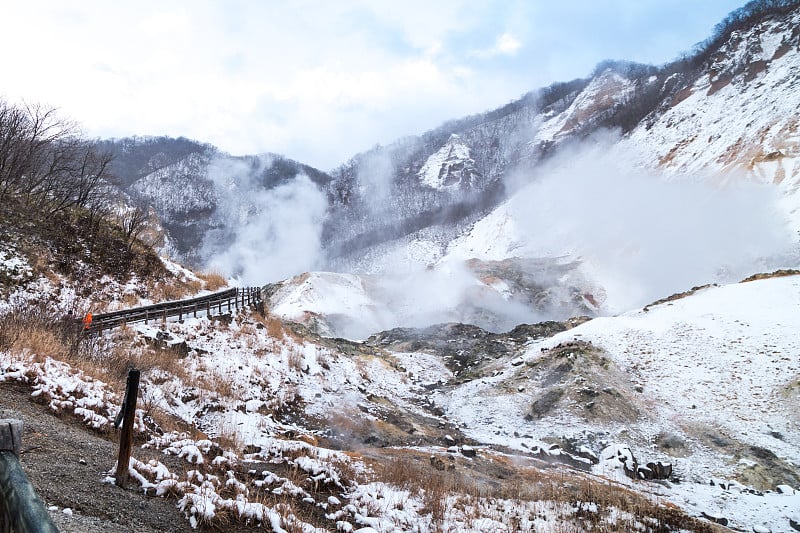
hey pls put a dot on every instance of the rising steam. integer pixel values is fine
(584, 222)
(642, 236)
(268, 234)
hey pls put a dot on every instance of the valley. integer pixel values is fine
(575, 312)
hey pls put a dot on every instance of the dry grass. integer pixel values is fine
(39, 331)
(295, 359)
(285, 403)
(777, 274)
(228, 438)
(274, 325)
(679, 296)
(469, 491)
(213, 280)
(163, 418)
(168, 291)
(432, 485)
(194, 286)
(44, 333)
(361, 367)
(130, 299)
(172, 289)
(221, 386)
(323, 359)
(39, 342)
(275, 328)
(112, 356)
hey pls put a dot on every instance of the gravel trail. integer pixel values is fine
(66, 463)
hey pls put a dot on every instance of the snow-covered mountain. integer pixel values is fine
(649, 179)
(739, 116)
(652, 167)
(203, 197)
(560, 224)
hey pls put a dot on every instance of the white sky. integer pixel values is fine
(318, 80)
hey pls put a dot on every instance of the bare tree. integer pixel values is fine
(34, 150)
(133, 223)
(45, 164)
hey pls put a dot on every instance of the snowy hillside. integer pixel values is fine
(706, 382)
(741, 117)
(179, 189)
(600, 95)
(709, 383)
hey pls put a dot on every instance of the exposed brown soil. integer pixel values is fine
(777, 274)
(678, 296)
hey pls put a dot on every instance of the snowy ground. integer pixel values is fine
(725, 360)
(717, 371)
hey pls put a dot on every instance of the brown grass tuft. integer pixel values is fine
(295, 359)
(213, 280)
(275, 327)
(222, 386)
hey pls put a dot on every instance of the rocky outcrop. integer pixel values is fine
(578, 377)
(650, 471)
(634, 470)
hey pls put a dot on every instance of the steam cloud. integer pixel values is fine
(637, 237)
(268, 234)
(645, 237)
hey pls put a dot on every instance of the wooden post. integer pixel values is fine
(126, 436)
(21, 509)
(10, 435)
(195, 310)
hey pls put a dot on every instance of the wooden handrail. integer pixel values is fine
(230, 298)
(22, 509)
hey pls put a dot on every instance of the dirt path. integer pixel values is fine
(67, 463)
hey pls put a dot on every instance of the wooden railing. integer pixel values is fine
(210, 304)
(21, 509)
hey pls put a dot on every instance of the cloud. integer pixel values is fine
(315, 81)
(505, 45)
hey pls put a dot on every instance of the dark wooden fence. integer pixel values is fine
(21, 509)
(216, 303)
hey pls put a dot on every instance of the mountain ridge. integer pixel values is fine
(413, 204)
(513, 138)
